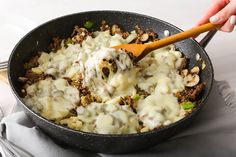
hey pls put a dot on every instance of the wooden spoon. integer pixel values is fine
(141, 50)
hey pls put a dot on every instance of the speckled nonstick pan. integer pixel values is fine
(39, 39)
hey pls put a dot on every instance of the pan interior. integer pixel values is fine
(39, 39)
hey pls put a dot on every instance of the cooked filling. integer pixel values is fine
(86, 85)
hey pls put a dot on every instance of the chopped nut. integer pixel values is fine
(195, 70)
(144, 37)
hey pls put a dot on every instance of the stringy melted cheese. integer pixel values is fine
(156, 74)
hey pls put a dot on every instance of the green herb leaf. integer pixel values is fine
(88, 24)
(188, 105)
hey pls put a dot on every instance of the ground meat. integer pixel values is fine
(33, 77)
(132, 57)
(68, 80)
(106, 72)
(190, 94)
(82, 89)
(55, 44)
(184, 64)
(86, 96)
(73, 112)
(113, 65)
(107, 67)
(141, 92)
(146, 76)
(115, 29)
(138, 30)
(33, 62)
(125, 35)
(127, 100)
(89, 98)
(104, 26)
(152, 36)
(138, 40)
(30, 78)
(85, 100)
(79, 34)
(68, 41)
(78, 83)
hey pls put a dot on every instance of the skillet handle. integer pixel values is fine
(204, 42)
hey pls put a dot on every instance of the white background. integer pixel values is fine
(17, 17)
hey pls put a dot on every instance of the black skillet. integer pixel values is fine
(39, 39)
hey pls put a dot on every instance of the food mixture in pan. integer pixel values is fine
(86, 85)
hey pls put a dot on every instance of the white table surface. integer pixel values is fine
(18, 17)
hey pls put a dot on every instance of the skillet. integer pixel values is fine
(39, 39)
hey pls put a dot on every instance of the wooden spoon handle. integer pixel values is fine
(180, 36)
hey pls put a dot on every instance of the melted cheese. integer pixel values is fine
(156, 109)
(156, 73)
(108, 118)
(52, 98)
(124, 83)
